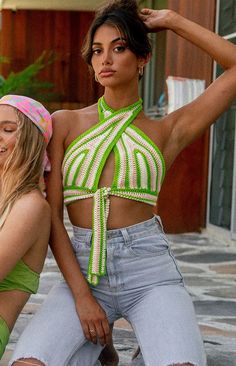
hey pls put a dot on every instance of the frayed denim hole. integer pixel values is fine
(24, 361)
(183, 364)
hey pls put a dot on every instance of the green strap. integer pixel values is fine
(97, 259)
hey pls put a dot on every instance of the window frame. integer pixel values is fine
(232, 230)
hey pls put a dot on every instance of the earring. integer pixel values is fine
(140, 70)
(96, 78)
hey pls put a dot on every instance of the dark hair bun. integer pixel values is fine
(123, 14)
(125, 5)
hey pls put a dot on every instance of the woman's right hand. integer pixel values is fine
(157, 20)
(93, 320)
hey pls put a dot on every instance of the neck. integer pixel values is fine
(117, 99)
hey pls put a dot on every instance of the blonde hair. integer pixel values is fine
(24, 167)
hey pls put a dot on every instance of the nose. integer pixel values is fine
(107, 58)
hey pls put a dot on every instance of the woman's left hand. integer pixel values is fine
(157, 20)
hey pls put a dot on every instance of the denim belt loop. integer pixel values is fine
(88, 237)
(125, 235)
(158, 220)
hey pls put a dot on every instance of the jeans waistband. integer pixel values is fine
(138, 228)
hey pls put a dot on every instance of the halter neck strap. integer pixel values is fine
(104, 111)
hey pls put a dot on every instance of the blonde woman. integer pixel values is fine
(25, 129)
(108, 165)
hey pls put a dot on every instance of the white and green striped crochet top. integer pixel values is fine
(139, 171)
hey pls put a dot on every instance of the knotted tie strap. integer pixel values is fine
(97, 259)
(118, 121)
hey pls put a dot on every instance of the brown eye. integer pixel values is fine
(96, 51)
(119, 49)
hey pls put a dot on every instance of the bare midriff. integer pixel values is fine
(123, 212)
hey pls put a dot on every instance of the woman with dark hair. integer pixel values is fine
(108, 165)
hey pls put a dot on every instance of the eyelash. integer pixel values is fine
(97, 51)
(8, 130)
(122, 48)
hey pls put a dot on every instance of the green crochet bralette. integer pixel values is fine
(139, 171)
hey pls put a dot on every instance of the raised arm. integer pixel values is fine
(190, 121)
(90, 313)
(222, 51)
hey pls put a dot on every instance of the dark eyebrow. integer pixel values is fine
(113, 41)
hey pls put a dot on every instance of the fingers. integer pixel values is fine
(93, 334)
(107, 332)
(101, 337)
(99, 332)
(93, 320)
(103, 332)
(145, 11)
(144, 14)
(90, 332)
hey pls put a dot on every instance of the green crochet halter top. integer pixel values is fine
(139, 171)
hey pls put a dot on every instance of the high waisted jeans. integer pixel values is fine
(143, 284)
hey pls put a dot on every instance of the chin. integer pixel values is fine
(114, 83)
(107, 81)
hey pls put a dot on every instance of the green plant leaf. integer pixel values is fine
(25, 82)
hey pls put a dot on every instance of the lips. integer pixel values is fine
(106, 72)
(3, 149)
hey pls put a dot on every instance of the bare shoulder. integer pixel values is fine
(64, 116)
(32, 205)
(66, 121)
(86, 116)
(60, 121)
(89, 109)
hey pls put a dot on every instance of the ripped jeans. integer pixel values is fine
(143, 285)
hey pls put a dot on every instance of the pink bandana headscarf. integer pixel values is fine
(34, 110)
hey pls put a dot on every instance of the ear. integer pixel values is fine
(143, 61)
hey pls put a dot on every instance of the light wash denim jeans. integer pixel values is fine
(143, 284)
